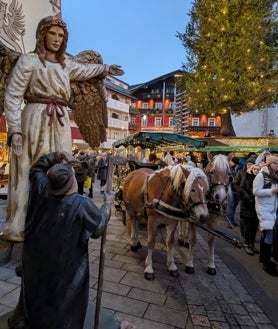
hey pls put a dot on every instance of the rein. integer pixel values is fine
(164, 208)
(222, 235)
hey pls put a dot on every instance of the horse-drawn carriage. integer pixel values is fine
(153, 142)
(192, 197)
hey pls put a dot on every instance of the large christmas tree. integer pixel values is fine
(231, 57)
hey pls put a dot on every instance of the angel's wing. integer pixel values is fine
(88, 103)
(8, 59)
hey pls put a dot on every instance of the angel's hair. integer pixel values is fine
(44, 25)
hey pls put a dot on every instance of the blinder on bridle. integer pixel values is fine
(212, 203)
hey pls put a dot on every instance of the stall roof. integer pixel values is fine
(237, 148)
(154, 140)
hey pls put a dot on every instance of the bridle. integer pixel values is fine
(212, 203)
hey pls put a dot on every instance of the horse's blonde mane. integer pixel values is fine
(220, 162)
(195, 173)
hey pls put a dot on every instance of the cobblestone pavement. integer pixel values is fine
(190, 301)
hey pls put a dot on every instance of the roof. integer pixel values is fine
(172, 74)
(237, 148)
(154, 140)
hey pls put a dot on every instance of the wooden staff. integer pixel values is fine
(102, 248)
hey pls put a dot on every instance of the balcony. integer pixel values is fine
(119, 106)
(155, 111)
(212, 129)
(116, 123)
(156, 95)
(132, 126)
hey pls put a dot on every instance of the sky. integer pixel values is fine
(139, 35)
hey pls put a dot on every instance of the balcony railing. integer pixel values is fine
(119, 106)
(215, 129)
(132, 126)
(156, 95)
(156, 111)
(116, 123)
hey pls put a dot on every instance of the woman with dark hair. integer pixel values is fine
(42, 80)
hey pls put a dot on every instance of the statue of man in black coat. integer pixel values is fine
(59, 223)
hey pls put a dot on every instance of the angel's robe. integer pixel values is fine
(30, 78)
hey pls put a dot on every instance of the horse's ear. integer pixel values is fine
(230, 156)
(209, 156)
(186, 171)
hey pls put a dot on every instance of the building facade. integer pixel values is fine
(118, 106)
(159, 106)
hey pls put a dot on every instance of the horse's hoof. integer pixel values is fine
(211, 271)
(174, 274)
(183, 243)
(189, 269)
(139, 246)
(149, 276)
(135, 248)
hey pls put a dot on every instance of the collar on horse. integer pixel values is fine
(166, 209)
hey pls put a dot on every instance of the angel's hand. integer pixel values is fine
(115, 70)
(16, 143)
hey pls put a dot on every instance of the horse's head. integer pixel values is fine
(217, 172)
(194, 185)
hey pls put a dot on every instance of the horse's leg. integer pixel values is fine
(182, 234)
(211, 245)
(170, 238)
(149, 272)
(189, 266)
(132, 228)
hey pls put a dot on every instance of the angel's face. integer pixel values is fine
(54, 39)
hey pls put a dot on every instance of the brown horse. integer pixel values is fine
(163, 196)
(217, 171)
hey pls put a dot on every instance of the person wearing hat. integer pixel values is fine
(59, 223)
(265, 189)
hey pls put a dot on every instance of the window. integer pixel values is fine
(158, 105)
(115, 115)
(211, 122)
(133, 120)
(145, 106)
(173, 105)
(157, 122)
(116, 135)
(195, 122)
(144, 121)
(114, 96)
(171, 122)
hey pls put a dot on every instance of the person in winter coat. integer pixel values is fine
(233, 196)
(91, 157)
(265, 189)
(102, 167)
(55, 268)
(248, 217)
(81, 171)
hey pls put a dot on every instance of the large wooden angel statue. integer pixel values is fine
(49, 82)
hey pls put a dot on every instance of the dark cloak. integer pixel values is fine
(55, 254)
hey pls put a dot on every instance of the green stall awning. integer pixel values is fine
(156, 140)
